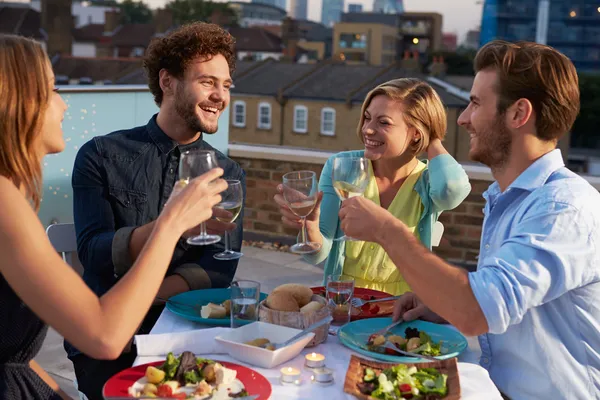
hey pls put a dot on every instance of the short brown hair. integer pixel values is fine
(175, 51)
(421, 105)
(538, 73)
(24, 98)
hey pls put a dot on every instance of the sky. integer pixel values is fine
(460, 16)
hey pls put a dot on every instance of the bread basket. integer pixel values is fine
(298, 320)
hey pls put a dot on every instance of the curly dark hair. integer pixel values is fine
(178, 48)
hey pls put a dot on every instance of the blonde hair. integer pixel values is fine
(24, 98)
(421, 105)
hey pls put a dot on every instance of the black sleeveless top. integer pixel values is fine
(21, 336)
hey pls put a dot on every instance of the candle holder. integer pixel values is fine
(314, 360)
(290, 376)
(322, 376)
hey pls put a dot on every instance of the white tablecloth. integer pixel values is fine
(474, 380)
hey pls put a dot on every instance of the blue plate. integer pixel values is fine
(199, 298)
(355, 335)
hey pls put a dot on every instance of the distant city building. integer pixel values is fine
(331, 12)
(449, 41)
(84, 13)
(276, 3)
(355, 8)
(472, 40)
(299, 9)
(388, 6)
(572, 27)
(258, 13)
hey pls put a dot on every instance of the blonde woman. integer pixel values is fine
(399, 120)
(36, 286)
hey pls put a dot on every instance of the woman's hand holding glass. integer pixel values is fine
(192, 205)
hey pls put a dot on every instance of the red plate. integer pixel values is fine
(254, 383)
(385, 308)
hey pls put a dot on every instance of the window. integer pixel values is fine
(300, 119)
(328, 121)
(353, 41)
(239, 114)
(264, 116)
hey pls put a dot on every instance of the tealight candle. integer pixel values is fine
(290, 375)
(314, 360)
(323, 376)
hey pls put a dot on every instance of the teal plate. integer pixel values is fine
(199, 298)
(354, 335)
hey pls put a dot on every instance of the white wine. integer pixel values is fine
(233, 207)
(346, 190)
(302, 207)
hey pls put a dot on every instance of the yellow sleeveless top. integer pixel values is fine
(367, 263)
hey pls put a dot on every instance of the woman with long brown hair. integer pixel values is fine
(37, 288)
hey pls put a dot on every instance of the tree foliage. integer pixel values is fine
(185, 11)
(135, 12)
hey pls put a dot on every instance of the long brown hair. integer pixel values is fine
(421, 105)
(24, 97)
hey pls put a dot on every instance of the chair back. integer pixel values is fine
(64, 240)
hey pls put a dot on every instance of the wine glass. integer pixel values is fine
(300, 194)
(350, 179)
(232, 199)
(192, 164)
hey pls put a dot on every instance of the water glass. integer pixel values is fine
(244, 302)
(339, 293)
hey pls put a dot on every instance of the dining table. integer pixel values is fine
(475, 381)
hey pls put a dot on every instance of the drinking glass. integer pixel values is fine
(232, 199)
(192, 164)
(350, 179)
(339, 292)
(244, 302)
(300, 194)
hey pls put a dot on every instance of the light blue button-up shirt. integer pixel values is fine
(538, 284)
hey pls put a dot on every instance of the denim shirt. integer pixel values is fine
(538, 284)
(442, 186)
(122, 181)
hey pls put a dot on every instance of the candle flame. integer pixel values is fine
(314, 355)
(289, 369)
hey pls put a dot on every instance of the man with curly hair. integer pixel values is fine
(122, 180)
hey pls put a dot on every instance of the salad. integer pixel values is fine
(404, 382)
(414, 341)
(189, 377)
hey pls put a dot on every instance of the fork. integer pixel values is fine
(299, 335)
(358, 302)
(387, 328)
(393, 347)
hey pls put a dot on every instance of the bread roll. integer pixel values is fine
(312, 306)
(282, 301)
(301, 293)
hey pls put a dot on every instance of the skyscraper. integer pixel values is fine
(388, 6)
(573, 28)
(299, 9)
(355, 8)
(331, 12)
(277, 3)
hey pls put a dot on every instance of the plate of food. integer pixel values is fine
(188, 377)
(370, 380)
(207, 306)
(419, 337)
(369, 310)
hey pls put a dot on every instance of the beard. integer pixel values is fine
(186, 110)
(492, 145)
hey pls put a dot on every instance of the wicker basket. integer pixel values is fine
(298, 320)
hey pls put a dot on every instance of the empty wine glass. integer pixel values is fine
(192, 164)
(300, 194)
(232, 199)
(350, 179)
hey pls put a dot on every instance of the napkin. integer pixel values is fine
(201, 341)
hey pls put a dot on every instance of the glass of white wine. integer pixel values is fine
(192, 164)
(300, 193)
(231, 200)
(350, 179)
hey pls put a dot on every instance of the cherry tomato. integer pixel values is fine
(391, 352)
(405, 387)
(374, 309)
(181, 396)
(164, 391)
(365, 308)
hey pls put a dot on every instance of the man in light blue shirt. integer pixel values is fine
(534, 300)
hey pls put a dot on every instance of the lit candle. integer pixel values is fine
(323, 376)
(314, 360)
(290, 375)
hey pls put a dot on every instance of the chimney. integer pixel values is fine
(111, 21)
(57, 21)
(289, 38)
(438, 67)
(163, 20)
(409, 63)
